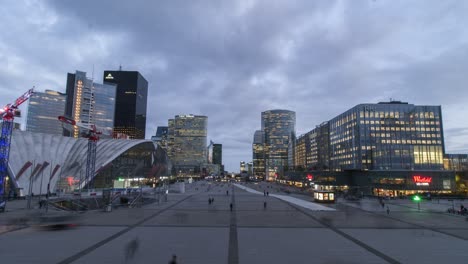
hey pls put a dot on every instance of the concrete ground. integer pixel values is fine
(283, 232)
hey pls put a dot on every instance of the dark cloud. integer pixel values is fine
(231, 60)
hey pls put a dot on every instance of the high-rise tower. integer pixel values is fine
(130, 102)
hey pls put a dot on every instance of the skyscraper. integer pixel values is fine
(258, 154)
(279, 127)
(189, 145)
(218, 154)
(130, 102)
(89, 103)
(43, 110)
(215, 153)
(243, 168)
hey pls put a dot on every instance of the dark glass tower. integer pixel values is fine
(130, 103)
(218, 154)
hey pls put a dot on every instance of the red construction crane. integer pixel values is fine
(93, 137)
(8, 113)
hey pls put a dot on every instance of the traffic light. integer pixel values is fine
(416, 198)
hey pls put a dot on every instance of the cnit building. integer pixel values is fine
(388, 149)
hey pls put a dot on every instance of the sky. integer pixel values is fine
(231, 60)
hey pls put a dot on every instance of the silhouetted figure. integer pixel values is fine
(173, 260)
(230, 205)
(264, 193)
(209, 200)
(131, 249)
(264, 205)
(388, 210)
(268, 194)
(227, 192)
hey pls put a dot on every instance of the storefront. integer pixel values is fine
(381, 183)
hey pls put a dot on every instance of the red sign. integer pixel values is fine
(310, 177)
(422, 179)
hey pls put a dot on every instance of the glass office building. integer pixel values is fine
(279, 127)
(456, 162)
(130, 102)
(189, 142)
(312, 151)
(104, 107)
(258, 154)
(43, 110)
(89, 103)
(218, 154)
(387, 136)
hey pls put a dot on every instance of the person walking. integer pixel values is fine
(230, 205)
(388, 210)
(264, 205)
(131, 249)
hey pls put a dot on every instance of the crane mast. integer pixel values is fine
(8, 115)
(93, 137)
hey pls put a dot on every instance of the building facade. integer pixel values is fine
(188, 151)
(279, 128)
(242, 167)
(43, 110)
(456, 162)
(218, 154)
(130, 102)
(161, 137)
(215, 153)
(89, 103)
(387, 136)
(258, 154)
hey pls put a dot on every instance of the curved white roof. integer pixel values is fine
(69, 153)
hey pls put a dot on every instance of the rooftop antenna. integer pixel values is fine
(120, 67)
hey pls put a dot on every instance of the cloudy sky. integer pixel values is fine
(231, 60)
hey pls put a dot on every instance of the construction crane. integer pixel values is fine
(8, 113)
(93, 137)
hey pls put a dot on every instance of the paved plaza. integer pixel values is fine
(285, 231)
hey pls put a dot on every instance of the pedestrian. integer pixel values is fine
(173, 260)
(383, 205)
(388, 210)
(268, 194)
(230, 205)
(212, 199)
(131, 249)
(264, 193)
(209, 200)
(227, 192)
(264, 205)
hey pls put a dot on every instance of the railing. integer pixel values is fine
(135, 200)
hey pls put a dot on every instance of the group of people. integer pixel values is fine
(210, 200)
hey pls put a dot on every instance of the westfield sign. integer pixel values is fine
(421, 180)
